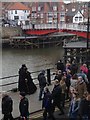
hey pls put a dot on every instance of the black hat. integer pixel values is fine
(22, 94)
(23, 65)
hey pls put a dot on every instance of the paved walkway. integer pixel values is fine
(34, 103)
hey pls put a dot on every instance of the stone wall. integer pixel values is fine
(8, 32)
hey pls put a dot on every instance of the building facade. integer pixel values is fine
(18, 12)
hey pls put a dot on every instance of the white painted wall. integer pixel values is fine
(22, 14)
(78, 15)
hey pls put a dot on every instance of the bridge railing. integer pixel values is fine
(11, 82)
(69, 26)
(73, 26)
(39, 26)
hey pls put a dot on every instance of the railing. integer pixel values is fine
(70, 26)
(10, 82)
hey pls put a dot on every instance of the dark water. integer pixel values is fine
(35, 59)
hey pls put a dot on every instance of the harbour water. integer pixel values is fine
(35, 59)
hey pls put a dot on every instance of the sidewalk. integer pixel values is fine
(34, 103)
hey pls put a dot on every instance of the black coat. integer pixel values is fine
(56, 93)
(42, 80)
(47, 101)
(30, 84)
(7, 105)
(84, 108)
(23, 107)
(22, 83)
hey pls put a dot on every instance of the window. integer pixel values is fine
(33, 8)
(55, 15)
(15, 11)
(76, 18)
(27, 11)
(16, 17)
(50, 14)
(11, 12)
(80, 18)
(62, 7)
(39, 8)
(73, 9)
(22, 17)
(41, 15)
(55, 8)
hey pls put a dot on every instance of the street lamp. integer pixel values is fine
(88, 26)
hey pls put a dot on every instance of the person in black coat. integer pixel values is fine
(47, 104)
(22, 76)
(56, 95)
(23, 106)
(7, 107)
(84, 110)
(60, 65)
(42, 83)
(31, 87)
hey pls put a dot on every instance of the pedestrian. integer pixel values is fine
(22, 76)
(68, 83)
(84, 68)
(56, 96)
(85, 107)
(47, 105)
(31, 87)
(60, 65)
(7, 107)
(81, 87)
(74, 68)
(64, 88)
(74, 107)
(42, 83)
(58, 75)
(23, 106)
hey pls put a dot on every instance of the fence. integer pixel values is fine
(11, 82)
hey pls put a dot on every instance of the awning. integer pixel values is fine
(40, 32)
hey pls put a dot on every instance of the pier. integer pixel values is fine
(77, 50)
(42, 41)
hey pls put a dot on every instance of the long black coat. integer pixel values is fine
(42, 80)
(23, 107)
(7, 105)
(31, 87)
(22, 83)
(56, 93)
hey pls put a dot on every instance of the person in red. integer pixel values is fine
(84, 68)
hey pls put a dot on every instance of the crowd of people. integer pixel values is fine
(71, 83)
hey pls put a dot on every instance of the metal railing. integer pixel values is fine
(8, 86)
(69, 26)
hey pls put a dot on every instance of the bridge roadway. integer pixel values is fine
(35, 106)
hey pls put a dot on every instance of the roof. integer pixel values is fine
(18, 6)
(78, 6)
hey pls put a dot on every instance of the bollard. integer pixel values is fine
(48, 77)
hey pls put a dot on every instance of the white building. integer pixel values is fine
(78, 18)
(18, 12)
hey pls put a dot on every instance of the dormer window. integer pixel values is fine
(73, 9)
(62, 7)
(39, 8)
(55, 8)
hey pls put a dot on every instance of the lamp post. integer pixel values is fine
(88, 24)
